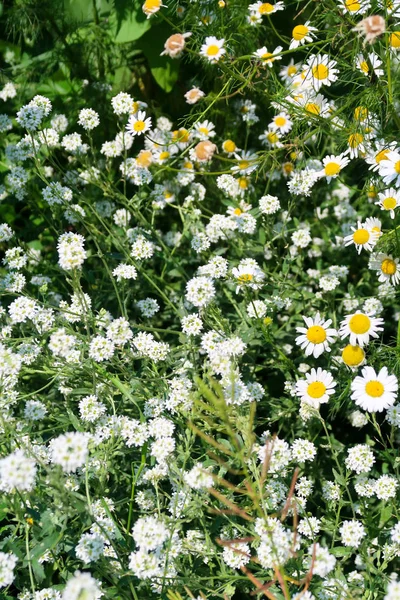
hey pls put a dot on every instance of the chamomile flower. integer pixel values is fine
(213, 49)
(374, 224)
(150, 7)
(320, 70)
(355, 6)
(289, 71)
(356, 145)
(268, 58)
(367, 67)
(204, 130)
(138, 124)
(302, 34)
(316, 337)
(389, 201)
(387, 267)
(389, 168)
(271, 139)
(363, 237)
(333, 166)
(359, 327)
(316, 388)
(315, 105)
(254, 19)
(266, 8)
(380, 153)
(248, 274)
(374, 392)
(229, 146)
(247, 163)
(281, 123)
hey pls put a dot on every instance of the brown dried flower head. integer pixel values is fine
(371, 28)
(205, 150)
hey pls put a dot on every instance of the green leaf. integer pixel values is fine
(386, 513)
(48, 543)
(81, 11)
(122, 79)
(164, 70)
(341, 551)
(129, 28)
(38, 570)
(339, 478)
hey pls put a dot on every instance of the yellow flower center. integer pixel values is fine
(364, 66)
(352, 5)
(280, 121)
(316, 389)
(388, 266)
(168, 194)
(313, 108)
(288, 167)
(229, 146)
(144, 158)
(397, 167)
(151, 5)
(331, 169)
(266, 8)
(272, 138)
(180, 135)
(292, 70)
(212, 50)
(382, 155)
(164, 155)
(243, 183)
(320, 72)
(374, 388)
(360, 113)
(204, 130)
(245, 277)
(389, 203)
(361, 236)
(188, 165)
(300, 32)
(395, 39)
(359, 324)
(267, 57)
(244, 164)
(237, 212)
(139, 125)
(355, 140)
(316, 334)
(353, 356)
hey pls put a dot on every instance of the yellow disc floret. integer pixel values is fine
(331, 169)
(359, 324)
(389, 203)
(361, 236)
(299, 32)
(374, 388)
(320, 72)
(316, 334)
(353, 356)
(388, 266)
(316, 389)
